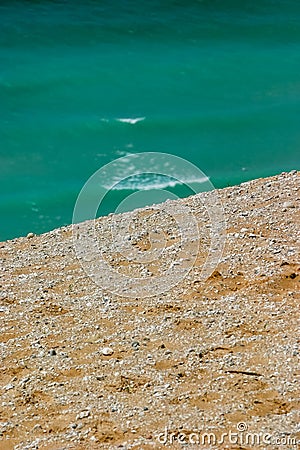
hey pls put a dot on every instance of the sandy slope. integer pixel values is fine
(84, 368)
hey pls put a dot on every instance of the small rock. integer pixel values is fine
(30, 235)
(107, 351)
(83, 415)
(135, 345)
(24, 380)
(52, 352)
(100, 378)
(9, 386)
(288, 205)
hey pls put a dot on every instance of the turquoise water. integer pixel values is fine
(217, 82)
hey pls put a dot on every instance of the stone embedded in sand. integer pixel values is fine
(107, 351)
(135, 345)
(83, 415)
(30, 235)
(288, 205)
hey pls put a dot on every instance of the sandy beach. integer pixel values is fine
(206, 357)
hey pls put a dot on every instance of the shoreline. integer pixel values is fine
(84, 367)
(218, 186)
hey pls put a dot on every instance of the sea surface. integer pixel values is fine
(85, 82)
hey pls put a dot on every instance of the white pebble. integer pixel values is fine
(106, 351)
(288, 205)
(83, 415)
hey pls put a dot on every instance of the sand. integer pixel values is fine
(91, 361)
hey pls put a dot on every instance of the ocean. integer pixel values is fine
(85, 82)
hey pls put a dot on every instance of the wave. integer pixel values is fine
(146, 182)
(132, 121)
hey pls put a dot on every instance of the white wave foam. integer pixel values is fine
(130, 120)
(157, 182)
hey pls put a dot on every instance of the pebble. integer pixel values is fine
(30, 235)
(107, 351)
(52, 352)
(24, 380)
(83, 415)
(135, 345)
(288, 205)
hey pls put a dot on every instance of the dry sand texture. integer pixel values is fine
(84, 368)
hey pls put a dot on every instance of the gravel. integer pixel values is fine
(86, 368)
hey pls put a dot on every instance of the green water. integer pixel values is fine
(216, 81)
